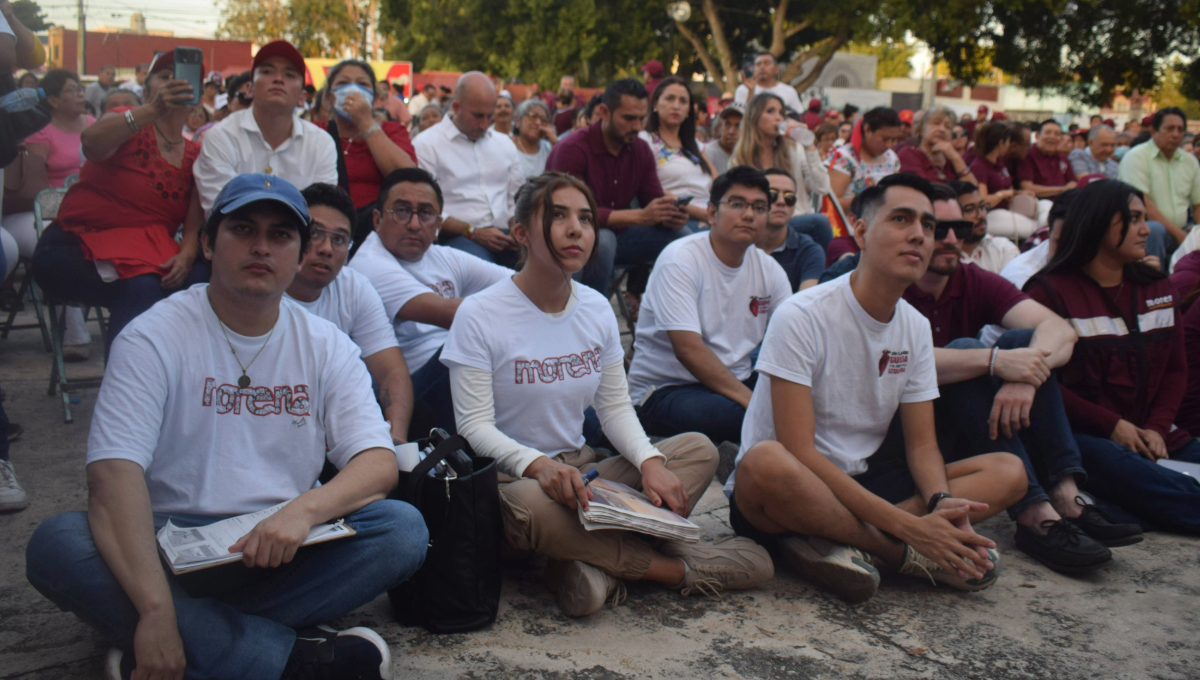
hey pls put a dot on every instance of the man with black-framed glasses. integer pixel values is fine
(421, 285)
(802, 259)
(326, 288)
(705, 311)
(991, 253)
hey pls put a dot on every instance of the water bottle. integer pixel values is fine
(22, 100)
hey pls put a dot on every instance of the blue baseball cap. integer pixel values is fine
(243, 190)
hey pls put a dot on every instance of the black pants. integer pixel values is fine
(62, 271)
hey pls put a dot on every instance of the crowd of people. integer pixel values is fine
(987, 325)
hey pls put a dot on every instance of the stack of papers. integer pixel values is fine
(616, 506)
(193, 548)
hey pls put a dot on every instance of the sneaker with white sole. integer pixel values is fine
(12, 496)
(116, 666)
(841, 569)
(916, 564)
(321, 652)
(581, 589)
(734, 563)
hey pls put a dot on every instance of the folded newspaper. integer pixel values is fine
(616, 506)
(189, 549)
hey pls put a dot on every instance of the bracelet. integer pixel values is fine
(133, 126)
(935, 499)
(965, 171)
(375, 127)
(470, 230)
(992, 363)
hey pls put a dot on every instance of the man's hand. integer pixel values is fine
(1129, 435)
(1026, 365)
(964, 522)
(1153, 261)
(274, 540)
(1154, 442)
(1010, 409)
(939, 537)
(493, 239)
(661, 485)
(158, 648)
(176, 269)
(662, 210)
(561, 482)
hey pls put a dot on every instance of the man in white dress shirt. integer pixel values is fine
(478, 170)
(267, 137)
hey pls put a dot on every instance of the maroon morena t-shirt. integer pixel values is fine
(972, 299)
(1045, 170)
(994, 177)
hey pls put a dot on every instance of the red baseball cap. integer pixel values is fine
(1147, 121)
(831, 114)
(983, 108)
(279, 48)
(655, 68)
(999, 115)
(906, 116)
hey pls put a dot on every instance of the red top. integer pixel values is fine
(127, 209)
(1184, 277)
(614, 180)
(994, 177)
(972, 299)
(364, 175)
(1045, 171)
(912, 159)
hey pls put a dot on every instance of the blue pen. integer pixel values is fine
(590, 476)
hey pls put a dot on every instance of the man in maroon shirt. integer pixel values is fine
(619, 167)
(1005, 398)
(1046, 171)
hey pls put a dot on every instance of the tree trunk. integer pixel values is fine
(823, 53)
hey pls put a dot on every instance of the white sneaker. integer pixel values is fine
(112, 665)
(841, 569)
(12, 496)
(916, 564)
(581, 589)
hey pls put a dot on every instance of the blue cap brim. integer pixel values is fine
(262, 196)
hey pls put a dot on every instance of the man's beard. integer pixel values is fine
(946, 270)
(977, 234)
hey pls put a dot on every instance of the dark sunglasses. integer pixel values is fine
(956, 135)
(962, 229)
(789, 197)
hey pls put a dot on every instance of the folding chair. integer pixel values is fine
(46, 208)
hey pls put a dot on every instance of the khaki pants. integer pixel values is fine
(534, 522)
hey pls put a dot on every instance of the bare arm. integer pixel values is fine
(700, 361)
(1050, 332)
(430, 308)
(920, 442)
(389, 369)
(29, 52)
(101, 139)
(1040, 191)
(388, 156)
(838, 181)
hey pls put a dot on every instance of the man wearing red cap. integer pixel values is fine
(268, 137)
(812, 117)
(653, 72)
(766, 79)
(981, 115)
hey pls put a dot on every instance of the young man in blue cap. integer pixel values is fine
(224, 400)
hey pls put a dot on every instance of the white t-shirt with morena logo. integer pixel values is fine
(171, 403)
(545, 370)
(350, 303)
(691, 290)
(448, 272)
(859, 370)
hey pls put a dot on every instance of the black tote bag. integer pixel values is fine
(458, 588)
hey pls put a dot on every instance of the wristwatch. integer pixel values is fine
(935, 499)
(470, 230)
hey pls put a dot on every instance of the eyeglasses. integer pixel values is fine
(962, 229)
(403, 213)
(337, 239)
(979, 208)
(738, 205)
(789, 197)
(957, 135)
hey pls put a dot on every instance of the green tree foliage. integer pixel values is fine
(317, 28)
(894, 57)
(1170, 90)
(30, 15)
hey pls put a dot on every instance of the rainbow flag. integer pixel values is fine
(831, 209)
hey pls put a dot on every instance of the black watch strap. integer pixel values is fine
(935, 499)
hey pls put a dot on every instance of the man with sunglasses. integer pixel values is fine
(326, 288)
(705, 311)
(421, 285)
(991, 253)
(1004, 398)
(802, 259)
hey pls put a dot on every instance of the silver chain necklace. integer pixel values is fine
(244, 381)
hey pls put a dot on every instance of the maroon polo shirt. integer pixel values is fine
(912, 159)
(994, 177)
(1045, 171)
(972, 299)
(614, 180)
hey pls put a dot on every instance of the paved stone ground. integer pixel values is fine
(1136, 619)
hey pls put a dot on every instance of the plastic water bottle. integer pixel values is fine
(22, 99)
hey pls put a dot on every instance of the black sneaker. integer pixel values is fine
(322, 653)
(1098, 524)
(14, 432)
(1064, 547)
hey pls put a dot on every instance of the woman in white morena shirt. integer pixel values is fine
(527, 357)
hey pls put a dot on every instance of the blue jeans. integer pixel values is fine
(1047, 447)
(633, 246)
(816, 226)
(247, 632)
(693, 408)
(1152, 494)
(3, 433)
(506, 258)
(1160, 244)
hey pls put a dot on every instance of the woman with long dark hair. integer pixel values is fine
(683, 169)
(364, 158)
(1123, 386)
(527, 357)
